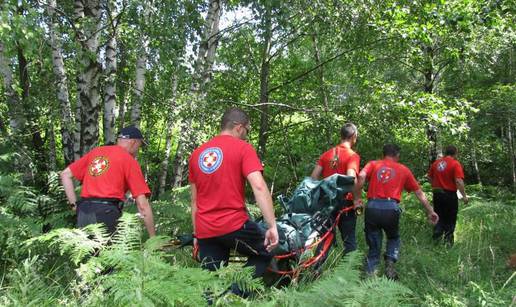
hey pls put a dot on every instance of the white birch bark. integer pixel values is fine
(202, 76)
(168, 136)
(62, 85)
(141, 68)
(16, 121)
(87, 16)
(110, 83)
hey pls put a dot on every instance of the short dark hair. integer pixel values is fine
(450, 150)
(348, 131)
(391, 150)
(232, 117)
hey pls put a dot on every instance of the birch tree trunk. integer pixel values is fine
(123, 88)
(264, 82)
(512, 155)
(202, 76)
(52, 156)
(141, 68)
(322, 91)
(475, 161)
(62, 86)
(110, 83)
(87, 16)
(168, 136)
(16, 120)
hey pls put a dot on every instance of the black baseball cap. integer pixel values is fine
(131, 132)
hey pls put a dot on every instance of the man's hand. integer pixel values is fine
(358, 203)
(271, 238)
(433, 218)
(465, 199)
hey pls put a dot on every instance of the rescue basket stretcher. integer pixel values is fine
(307, 228)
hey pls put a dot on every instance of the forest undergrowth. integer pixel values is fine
(72, 267)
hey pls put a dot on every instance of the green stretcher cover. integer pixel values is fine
(311, 198)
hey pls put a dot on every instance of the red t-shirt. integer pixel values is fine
(219, 168)
(339, 160)
(444, 171)
(108, 172)
(387, 179)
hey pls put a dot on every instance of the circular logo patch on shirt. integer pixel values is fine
(210, 160)
(98, 166)
(441, 166)
(385, 174)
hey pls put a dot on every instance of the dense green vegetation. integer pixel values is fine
(422, 74)
(57, 267)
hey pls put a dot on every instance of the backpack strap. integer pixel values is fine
(334, 162)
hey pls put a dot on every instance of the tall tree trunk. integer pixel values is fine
(512, 155)
(52, 157)
(168, 136)
(264, 81)
(87, 15)
(15, 109)
(110, 87)
(37, 144)
(141, 68)
(475, 161)
(62, 86)
(322, 91)
(201, 77)
(428, 87)
(124, 87)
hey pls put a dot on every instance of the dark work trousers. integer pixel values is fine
(382, 215)
(347, 224)
(446, 205)
(247, 241)
(96, 211)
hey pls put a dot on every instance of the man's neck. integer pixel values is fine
(229, 132)
(346, 144)
(389, 158)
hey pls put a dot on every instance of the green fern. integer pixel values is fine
(342, 286)
(79, 243)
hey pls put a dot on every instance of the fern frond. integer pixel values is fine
(79, 243)
(128, 234)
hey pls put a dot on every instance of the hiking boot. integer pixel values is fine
(372, 274)
(390, 271)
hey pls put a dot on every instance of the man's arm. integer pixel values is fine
(146, 212)
(264, 201)
(193, 195)
(357, 189)
(67, 181)
(460, 187)
(430, 213)
(316, 173)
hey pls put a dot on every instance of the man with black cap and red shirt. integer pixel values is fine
(446, 176)
(107, 173)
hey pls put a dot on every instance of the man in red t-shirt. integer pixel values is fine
(342, 160)
(447, 176)
(106, 173)
(387, 179)
(218, 170)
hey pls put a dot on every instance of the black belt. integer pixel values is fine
(385, 199)
(439, 190)
(103, 201)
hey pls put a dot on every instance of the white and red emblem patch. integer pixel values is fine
(385, 174)
(98, 166)
(441, 166)
(210, 160)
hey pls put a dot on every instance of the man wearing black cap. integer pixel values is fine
(106, 173)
